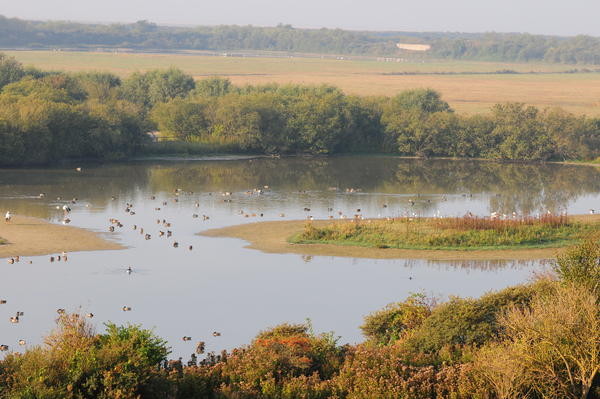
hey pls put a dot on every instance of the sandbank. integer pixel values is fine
(27, 236)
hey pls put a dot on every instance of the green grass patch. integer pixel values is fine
(468, 233)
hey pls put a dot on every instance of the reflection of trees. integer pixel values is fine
(19, 188)
(524, 188)
(511, 187)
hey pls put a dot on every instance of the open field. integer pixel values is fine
(26, 236)
(575, 92)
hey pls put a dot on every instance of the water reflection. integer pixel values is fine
(221, 285)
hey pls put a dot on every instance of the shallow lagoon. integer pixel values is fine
(222, 286)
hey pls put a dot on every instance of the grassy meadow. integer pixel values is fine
(467, 93)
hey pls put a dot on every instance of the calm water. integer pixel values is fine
(222, 286)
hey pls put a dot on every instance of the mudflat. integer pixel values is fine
(26, 236)
(272, 237)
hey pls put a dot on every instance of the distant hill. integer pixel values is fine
(144, 35)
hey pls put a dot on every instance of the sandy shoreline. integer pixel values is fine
(271, 237)
(28, 236)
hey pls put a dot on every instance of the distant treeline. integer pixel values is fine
(145, 35)
(50, 116)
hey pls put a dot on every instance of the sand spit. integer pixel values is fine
(28, 236)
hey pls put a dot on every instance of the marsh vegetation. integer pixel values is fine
(465, 233)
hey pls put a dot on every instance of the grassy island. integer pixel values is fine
(463, 233)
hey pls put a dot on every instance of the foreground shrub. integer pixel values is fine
(77, 363)
(395, 320)
(554, 344)
(581, 265)
(470, 322)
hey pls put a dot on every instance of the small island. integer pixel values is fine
(466, 233)
(463, 238)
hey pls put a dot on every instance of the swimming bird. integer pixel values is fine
(89, 315)
(126, 308)
(22, 342)
(185, 338)
(2, 301)
(175, 244)
(200, 347)
(60, 311)
(129, 270)
(216, 334)
(3, 348)
(78, 169)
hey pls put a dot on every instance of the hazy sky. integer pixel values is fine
(560, 17)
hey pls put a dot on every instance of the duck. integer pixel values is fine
(89, 315)
(22, 342)
(200, 347)
(3, 348)
(175, 244)
(129, 270)
(2, 301)
(216, 334)
(186, 338)
(126, 308)
(60, 311)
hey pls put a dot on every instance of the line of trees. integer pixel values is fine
(538, 340)
(52, 116)
(146, 35)
(323, 120)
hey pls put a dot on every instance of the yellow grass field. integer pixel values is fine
(469, 93)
